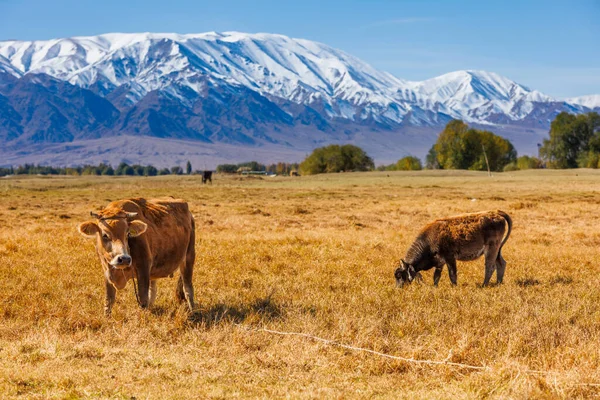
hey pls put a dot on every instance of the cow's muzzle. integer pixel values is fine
(121, 261)
(399, 274)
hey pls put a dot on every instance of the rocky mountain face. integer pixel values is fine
(245, 90)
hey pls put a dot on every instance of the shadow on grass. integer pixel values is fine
(561, 280)
(265, 309)
(526, 282)
(492, 284)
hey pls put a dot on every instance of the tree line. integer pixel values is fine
(280, 168)
(573, 142)
(457, 147)
(123, 169)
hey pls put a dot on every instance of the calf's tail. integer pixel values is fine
(509, 222)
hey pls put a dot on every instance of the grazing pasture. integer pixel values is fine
(312, 255)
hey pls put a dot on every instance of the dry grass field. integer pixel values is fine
(312, 255)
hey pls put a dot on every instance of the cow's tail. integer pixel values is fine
(193, 235)
(509, 222)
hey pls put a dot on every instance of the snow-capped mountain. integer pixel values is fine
(296, 70)
(232, 87)
(591, 101)
(300, 71)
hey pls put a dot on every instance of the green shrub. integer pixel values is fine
(335, 158)
(409, 163)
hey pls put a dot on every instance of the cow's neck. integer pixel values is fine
(118, 277)
(417, 253)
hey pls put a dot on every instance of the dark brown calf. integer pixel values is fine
(463, 238)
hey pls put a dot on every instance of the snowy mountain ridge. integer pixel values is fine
(285, 69)
(590, 101)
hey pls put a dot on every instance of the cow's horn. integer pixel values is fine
(93, 214)
(131, 215)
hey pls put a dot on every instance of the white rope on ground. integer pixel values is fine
(345, 346)
(405, 359)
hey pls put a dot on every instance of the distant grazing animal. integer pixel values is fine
(144, 240)
(294, 173)
(207, 176)
(464, 238)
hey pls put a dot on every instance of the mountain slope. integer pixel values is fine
(295, 70)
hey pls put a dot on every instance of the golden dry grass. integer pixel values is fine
(313, 255)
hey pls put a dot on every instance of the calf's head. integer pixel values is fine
(405, 273)
(112, 235)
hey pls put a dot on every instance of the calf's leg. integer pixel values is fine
(437, 274)
(500, 267)
(491, 253)
(452, 271)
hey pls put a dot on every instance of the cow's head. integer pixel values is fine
(405, 273)
(112, 235)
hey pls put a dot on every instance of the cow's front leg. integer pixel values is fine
(109, 300)
(437, 274)
(143, 281)
(452, 271)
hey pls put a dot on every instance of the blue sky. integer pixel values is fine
(551, 46)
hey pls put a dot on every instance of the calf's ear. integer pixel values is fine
(403, 265)
(88, 229)
(136, 228)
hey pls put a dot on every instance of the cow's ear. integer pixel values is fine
(89, 229)
(136, 228)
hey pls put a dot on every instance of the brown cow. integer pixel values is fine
(144, 240)
(463, 238)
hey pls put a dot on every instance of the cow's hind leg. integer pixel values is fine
(500, 267)
(152, 293)
(187, 271)
(491, 253)
(179, 293)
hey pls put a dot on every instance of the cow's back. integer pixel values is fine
(167, 217)
(447, 235)
(177, 209)
(170, 231)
